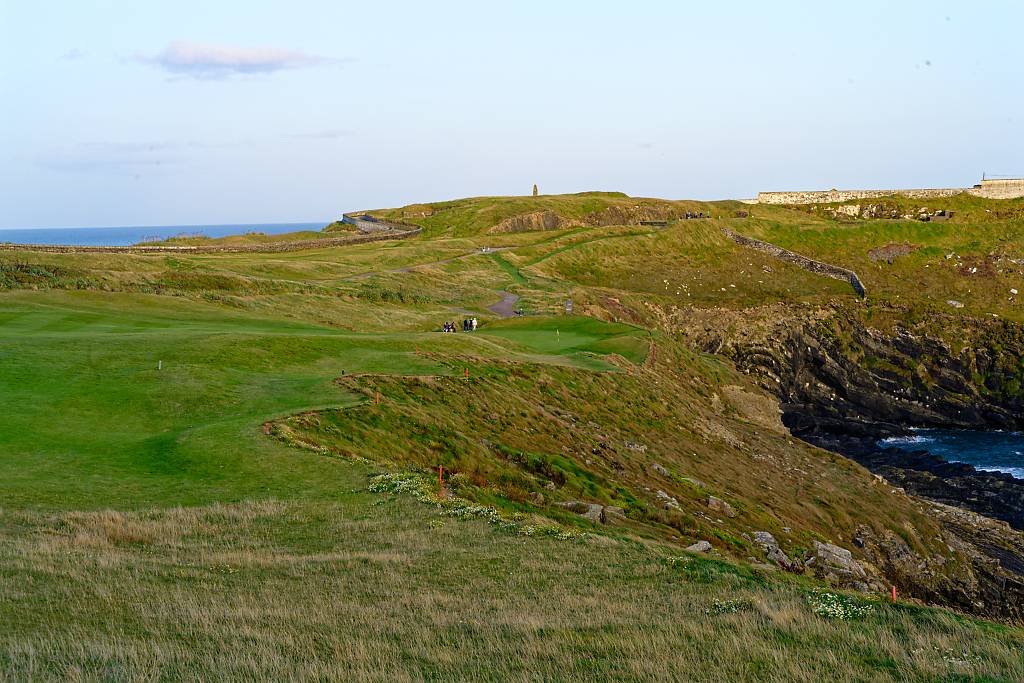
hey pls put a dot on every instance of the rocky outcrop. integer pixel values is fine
(773, 552)
(537, 220)
(613, 215)
(720, 506)
(843, 385)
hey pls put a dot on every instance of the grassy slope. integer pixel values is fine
(307, 574)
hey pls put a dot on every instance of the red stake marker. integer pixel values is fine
(467, 373)
(894, 593)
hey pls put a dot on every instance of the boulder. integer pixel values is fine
(660, 470)
(719, 505)
(837, 564)
(593, 512)
(773, 552)
(699, 547)
(613, 512)
(667, 501)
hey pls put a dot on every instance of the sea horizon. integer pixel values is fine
(127, 235)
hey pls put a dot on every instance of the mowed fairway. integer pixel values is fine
(91, 422)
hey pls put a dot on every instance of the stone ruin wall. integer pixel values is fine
(1011, 188)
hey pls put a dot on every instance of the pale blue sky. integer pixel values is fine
(157, 113)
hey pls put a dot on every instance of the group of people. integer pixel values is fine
(691, 214)
(468, 325)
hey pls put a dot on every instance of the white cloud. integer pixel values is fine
(72, 54)
(198, 60)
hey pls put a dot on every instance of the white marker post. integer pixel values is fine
(159, 365)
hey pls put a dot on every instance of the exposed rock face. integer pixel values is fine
(844, 385)
(594, 512)
(538, 220)
(699, 547)
(613, 215)
(773, 552)
(720, 506)
(837, 565)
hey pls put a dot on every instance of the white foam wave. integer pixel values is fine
(1015, 472)
(905, 440)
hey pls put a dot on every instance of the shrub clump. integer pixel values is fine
(836, 606)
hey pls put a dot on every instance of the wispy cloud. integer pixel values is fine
(331, 134)
(71, 55)
(204, 61)
(130, 158)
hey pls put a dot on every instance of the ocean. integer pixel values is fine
(988, 451)
(127, 236)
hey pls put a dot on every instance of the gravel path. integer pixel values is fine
(506, 308)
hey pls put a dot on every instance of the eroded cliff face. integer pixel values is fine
(613, 215)
(847, 376)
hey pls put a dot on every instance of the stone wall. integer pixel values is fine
(1005, 188)
(829, 196)
(808, 264)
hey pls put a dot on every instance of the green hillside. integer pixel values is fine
(225, 466)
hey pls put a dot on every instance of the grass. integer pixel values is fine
(187, 441)
(367, 586)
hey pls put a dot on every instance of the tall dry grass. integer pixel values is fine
(366, 589)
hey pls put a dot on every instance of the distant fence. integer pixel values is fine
(808, 264)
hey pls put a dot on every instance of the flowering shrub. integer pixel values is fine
(460, 508)
(835, 606)
(729, 606)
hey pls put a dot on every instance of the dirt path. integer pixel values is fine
(506, 308)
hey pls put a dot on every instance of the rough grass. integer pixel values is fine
(373, 587)
(280, 566)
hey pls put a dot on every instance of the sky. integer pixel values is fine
(173, 113)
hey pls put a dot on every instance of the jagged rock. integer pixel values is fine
(699, 547)
(614, 511)
(593, 512)
(773, 552)
(837, 564)
(719, 505)
(954, 303)
(660, 470)
(537, 498)
(633, 446)
(667, 501)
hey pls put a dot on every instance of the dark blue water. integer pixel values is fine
(123, 237)
(989, 451)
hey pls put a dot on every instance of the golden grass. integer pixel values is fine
(367, 590)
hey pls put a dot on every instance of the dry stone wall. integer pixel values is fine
(830, 196)
(1001, 188)
(808, 264)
